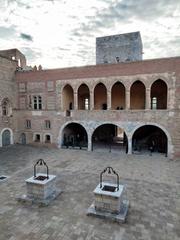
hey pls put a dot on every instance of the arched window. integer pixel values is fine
(67, 98)
(100, 97)
(137, 95)
(83, 97)
(118, 96)
(6, 107)
(159, 95)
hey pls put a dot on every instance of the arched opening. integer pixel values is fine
(68, 98)
(23, 138)
(100, 97)
(159, 95)
(118, 96)
(74, 135)
(6, 108)
(150, 138)
(109, 136)
(6, 138)
(137, 95)
(83, 97)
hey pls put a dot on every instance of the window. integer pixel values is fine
(28, 124)
(47, 139)
(5, 108)
(154, 103)
(37, 138)
(86, 104)
(37, 102)
(47, 124)
(117, 59)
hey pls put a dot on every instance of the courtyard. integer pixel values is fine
(153, 189)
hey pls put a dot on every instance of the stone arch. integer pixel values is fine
(137, 95)
(83, 97)
(159, 94)
(67, 97)
(108, 135)
(100, 96)
(76, 135)
(11, 140)
(118, 94)
(169, 150)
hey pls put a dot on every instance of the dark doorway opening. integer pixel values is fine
(74, 136)
(109, 137)
(151, 139)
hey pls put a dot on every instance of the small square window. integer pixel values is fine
(37, 138)
(47, 139)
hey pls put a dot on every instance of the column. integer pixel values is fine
(75, 101)
(89, 143)
(148, 99)
(109, 100)
(91, 100)
(127, 99)
(129, 146)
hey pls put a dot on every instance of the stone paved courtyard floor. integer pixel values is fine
(153, 189)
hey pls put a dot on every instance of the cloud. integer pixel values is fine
(26, 37)
(32, 54)
(7, 32)
(127, 11)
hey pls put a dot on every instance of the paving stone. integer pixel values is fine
(152, 190)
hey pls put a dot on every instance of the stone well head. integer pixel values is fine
(41, 162)
(108, 187)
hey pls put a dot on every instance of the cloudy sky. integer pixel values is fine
(61, 33)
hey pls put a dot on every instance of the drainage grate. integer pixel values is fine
(2, 178)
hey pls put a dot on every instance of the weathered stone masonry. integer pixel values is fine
(92, 96)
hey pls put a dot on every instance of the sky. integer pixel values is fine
(62, 33)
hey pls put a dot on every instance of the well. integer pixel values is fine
(109, 199)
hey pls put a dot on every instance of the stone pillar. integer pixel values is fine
(75, 101)
(127, 99)
(129, 145)
(91, 100)
(148, 99)
(89, 143)
(109, 100)
(169, 98)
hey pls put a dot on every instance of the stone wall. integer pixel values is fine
(7, 91)
(129, 120)
(119, 48)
